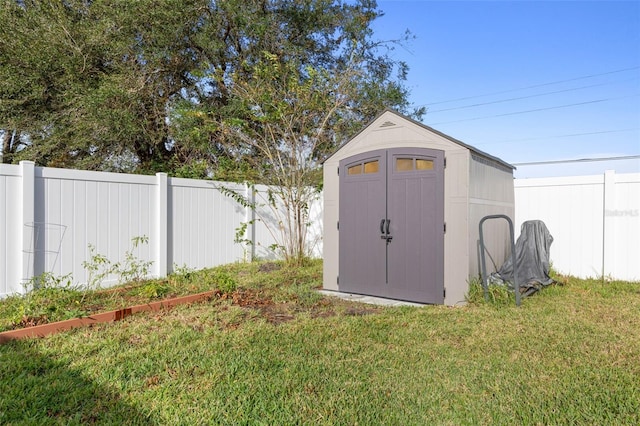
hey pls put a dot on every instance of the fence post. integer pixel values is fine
(249, 218)
(27, 228)
(161, 225)
(608, 229)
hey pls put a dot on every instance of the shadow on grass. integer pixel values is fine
(37, 389)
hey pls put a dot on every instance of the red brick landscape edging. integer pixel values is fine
(117, 315)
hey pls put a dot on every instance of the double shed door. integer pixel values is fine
(391, 224)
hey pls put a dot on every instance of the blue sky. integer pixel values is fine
(479, 66)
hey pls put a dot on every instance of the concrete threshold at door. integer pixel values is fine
(369, 299)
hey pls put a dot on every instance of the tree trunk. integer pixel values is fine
(9, 146)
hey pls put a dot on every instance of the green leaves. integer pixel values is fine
(100, 79)
(145, 86)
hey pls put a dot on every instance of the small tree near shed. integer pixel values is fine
(282, 125)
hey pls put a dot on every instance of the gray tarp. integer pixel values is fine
(532, 258)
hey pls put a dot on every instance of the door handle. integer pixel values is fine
(385, 232)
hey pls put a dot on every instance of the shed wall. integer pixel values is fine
(490, 192)
(456, 217)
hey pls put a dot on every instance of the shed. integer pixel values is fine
(402, 204)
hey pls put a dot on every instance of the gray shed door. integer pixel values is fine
(391, 224)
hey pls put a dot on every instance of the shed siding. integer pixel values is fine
(490, 192)
(456, 239)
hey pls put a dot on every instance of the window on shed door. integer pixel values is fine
(422, 164)
(411, 164)
(404, 164)
(371, 166)
(367, 167)
(354, 170)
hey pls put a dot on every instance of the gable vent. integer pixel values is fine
(387, 124)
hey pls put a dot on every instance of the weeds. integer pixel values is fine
(225, 282)
(153, 289)
(497, 295)
(98, 268)
(50, 298)
(47, 298)
(132, 269)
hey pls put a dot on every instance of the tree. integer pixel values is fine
(281, 120)
(90, 84)
(116, 84)
(294, 97)
(323, 34)
(11, 143)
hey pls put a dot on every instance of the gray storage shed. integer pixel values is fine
(402, 204)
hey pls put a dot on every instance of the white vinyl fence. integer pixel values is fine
(53, 220)
(594, 220)
(49, 219)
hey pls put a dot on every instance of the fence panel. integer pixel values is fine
(594, 221)
(75, 209)
(623, 242)
(267, 226)
(49, 219)
(202, 224)
(270, 221)
(10, 229)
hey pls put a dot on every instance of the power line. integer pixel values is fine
(559, 136)
(533, 110)
(532, 87)
(578, 160)
(516, 99)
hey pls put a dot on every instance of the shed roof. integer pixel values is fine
(430, 129)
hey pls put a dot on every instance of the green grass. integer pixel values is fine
(274, 352)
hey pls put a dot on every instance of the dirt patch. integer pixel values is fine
(273, 312)
(277, 313)
(246, 298)
(27, 321)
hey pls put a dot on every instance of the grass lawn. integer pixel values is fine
(275, 352)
